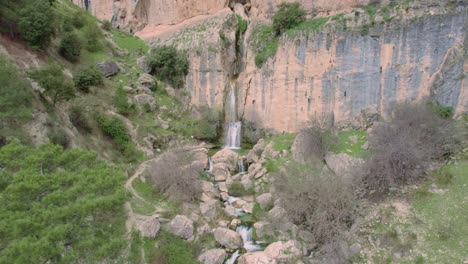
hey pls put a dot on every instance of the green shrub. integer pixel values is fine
(36, 23)
(265, 44)
(288, 16)
(78, 19)
(237, 189)
(241, 24)
(116, 129)
(443, 177)
(79, 119)
(121, 101)
(59, 137)
(174, 250)
(92, 35)
(442, 111)
(52, 79)
(86, 77)
(169, 64)
(70, 47)
(106, 25)
(15, 99)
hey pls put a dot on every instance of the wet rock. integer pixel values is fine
(258, 257)
(264, 200)
(213, 256)
(285, 252)
(147, 81)
(228, 238)
(234, 224)
(239, 203)
(108, 68)
(148, 226)
(209, 209)
(145, 102)
(181, 226)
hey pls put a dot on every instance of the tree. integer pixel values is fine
(59, 206)
(288, 16)
(53, 81)
(36, 23)
(169, 64)
(70, 47)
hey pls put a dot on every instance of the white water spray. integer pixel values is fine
(233, 135)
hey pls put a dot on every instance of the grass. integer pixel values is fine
(311, 25)
(282, 141)
(129, 42)
(345, 145)
(152, 199)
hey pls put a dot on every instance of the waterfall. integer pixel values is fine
(246, 233)
(233, 258)
(241, 166)
(233, 135)
(210, 162)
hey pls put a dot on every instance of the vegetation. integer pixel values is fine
(86, 77)
(92, 35)
(167, 63)
(121, 101)
(288, 16)
(36, 23)
(173, 250)
(59, 206)
(59, 137)
(106, 25)
(79, 119)
(52, 79)
(115, 128)
(404, 147)
(70, 47)
(236, 189)
(15, 99)
(314, 143)
(178, 182)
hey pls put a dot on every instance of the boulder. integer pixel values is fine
(262, 229)
(145, 102)
(108, 68)
(181, 226)
(200, 159)
(254, 154)
(264, 200)
(148, 226)
(285, 252)
(222, 187)
(143, 64)
(230, 211)
(128, 89)
(213, 256)
(299, 152)
(277, 213)
(209, 209)
(209, 189)
(228, 238)
(258, 257)
(147, 81)
(343, 165)
(227, 157)
(248, 208)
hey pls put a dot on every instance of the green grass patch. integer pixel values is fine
(129, 42)
(282, 141)
(311, 25)
(173, 250)
(152, 200)
(346, 145)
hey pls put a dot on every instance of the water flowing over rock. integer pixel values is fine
(227, 157)
(228, 238)
(233, 134)
(213, 256)
(181, 226)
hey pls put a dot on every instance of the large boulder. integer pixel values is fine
(258, 257)
(145, 102)
(263, 229)
(209, 209)
(148, 226)
(256, 152)
(285, 252)
(343, 165)
(264, 200)
(200, 159)
(227, 157)
(181, 226)
(300, 151)
(228, 238)
(213, 256)
(108, 68)
(147, 81)
(143, 64)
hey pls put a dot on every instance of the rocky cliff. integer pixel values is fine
(356, 61)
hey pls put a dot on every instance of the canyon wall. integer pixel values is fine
(334, 73)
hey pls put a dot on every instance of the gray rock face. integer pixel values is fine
(147, 81)
(148, 226)
(181, 226)
(145, 102)
(228, 238)
(213, 256)
(264, 200)
(108, 68)
(143, 64)
(343, 165)
(209, 209)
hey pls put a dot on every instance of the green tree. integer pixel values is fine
(70, 47)
(86, 77)
(288, 16)
(169, 64)
(59, 206)
(54, 82)
(36, 23)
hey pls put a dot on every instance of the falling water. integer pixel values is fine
(233, 135)
(233, 258)
(241, 166)
(246, 233)
(210, 162)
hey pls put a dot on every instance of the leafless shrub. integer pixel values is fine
(174, 177)
(404, 146)
(312, 143)
(321, 204)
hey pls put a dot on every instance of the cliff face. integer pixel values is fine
(335, 73)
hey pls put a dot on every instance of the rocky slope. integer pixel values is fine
(357, 61)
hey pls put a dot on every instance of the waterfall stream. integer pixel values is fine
(241, 166)
(233, 135)
(247, 243)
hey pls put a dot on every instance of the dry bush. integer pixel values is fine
(312, 143)
(322, 204)
(403, 148)
(174, 177)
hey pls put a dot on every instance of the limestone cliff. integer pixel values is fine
(352, 63)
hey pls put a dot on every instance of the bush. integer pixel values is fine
(320, 204)
(236, 189)
(106, 25)
(288, 16)
(442, 111)
(174, 177)
(206, 127)
(92, 35)
(121, 102)
(404, 146)
(70, 47)
(174, 250)
(86, 77)
(312, 144)
(114, 128)
(52, 79)
(169, 64)
(59, 137)
(78, 19)
(36, 23)
(79, 119)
